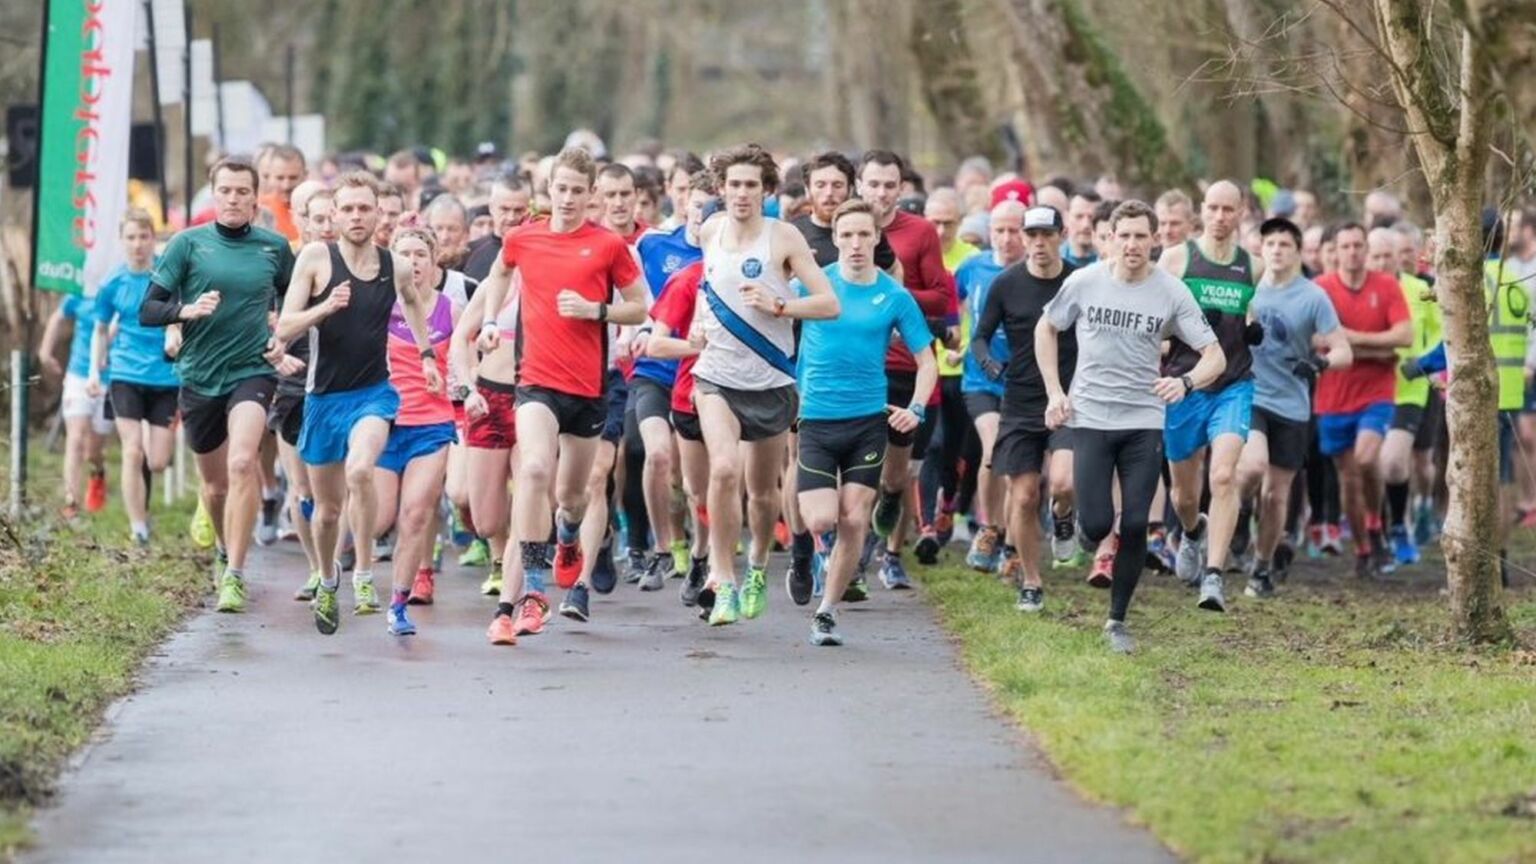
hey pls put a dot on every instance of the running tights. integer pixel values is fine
(1137, 456)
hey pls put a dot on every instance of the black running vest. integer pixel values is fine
(349, 350)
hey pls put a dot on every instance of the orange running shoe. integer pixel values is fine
(532, 614)
(567, 564)
(96, 492)
(1102, 574)
(781, 533)
(421, 588)
(501, 631)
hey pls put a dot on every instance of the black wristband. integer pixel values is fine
(602, 311)
(429, 353)
(1189, 384)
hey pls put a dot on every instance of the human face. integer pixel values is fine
(677, 189)
(880, 185)
(234, 197)
(743, 192)
(1381, 250)
(1133, 242)
(569, 192)
(480, 226)
(357, 214)
(1312, 249)
(451, 232)
(1050, 196)
(855, 236)
(407, 177)
(1407, 254)
(138, 245)
(390, 208)
(509, 209)
(1306, 209)
(1221, 211)
(458, 178)
(696, 201)
(827, 189)
(1044, 250)
(419, 254)
(1281, 255)
(647, 210)
(1006, 229)
(1328, 257)
(1173, 224)
(1103, 239)
(279, 176)
(1080, 223)
(1350, 246)
(320, 220)
(944, 213)
(616, 196)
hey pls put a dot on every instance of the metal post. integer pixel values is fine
(218, 90)
(22, 352)
(288, 90)
(159, 115)
(186, 112)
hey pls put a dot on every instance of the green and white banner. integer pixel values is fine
(82, 180)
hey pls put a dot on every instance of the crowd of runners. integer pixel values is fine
(577, 372)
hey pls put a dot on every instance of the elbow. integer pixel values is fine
(832, 308)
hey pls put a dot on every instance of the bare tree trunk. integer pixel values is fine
(1507, 30)
(1451, 123)
(946, 68)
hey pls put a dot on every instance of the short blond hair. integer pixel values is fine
(576, 159)
(137, 216)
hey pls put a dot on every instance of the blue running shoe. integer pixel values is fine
(604, 575)
(872, 543)
(399, 623)
(1403, 547)
(893, 575)
(1424, 529)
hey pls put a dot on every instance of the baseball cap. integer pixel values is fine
(1013, 190)
(487, 151)
(1043, 218)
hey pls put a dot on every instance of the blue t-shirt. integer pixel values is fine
(663, 253)
(1067, 256)
(138, 353)
(841, 368)
(973, 279)
(83, 311)
(1291, 315)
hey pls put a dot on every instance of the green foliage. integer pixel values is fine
(1331, 724)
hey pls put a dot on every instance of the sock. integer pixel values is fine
(334, 582)
(1397, 503)
(506, 609)
(362, 577)
(802, 547)
(566, 532)
(399, 596)
(1196, 532)
(140, 529)
(235, 572)
(535, 567)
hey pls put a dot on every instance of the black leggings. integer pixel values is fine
(1137, 456)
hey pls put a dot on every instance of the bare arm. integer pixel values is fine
(1174, 260)
(493, 288)
(1339, 352)
(100, 338)
(47, 348)
(1213, 362)
(461, 349)
(297, 315)
(927, 376)
(1046, 350)
(821, 303)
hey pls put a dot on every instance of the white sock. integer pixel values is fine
(140, 529)
(362, 577)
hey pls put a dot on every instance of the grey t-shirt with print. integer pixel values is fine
(1120, 331)
(1291, 315)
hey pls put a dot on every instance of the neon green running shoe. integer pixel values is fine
(477, 555)
(365, 598)
(491, 587)
(682, 559)
(1076, 562)
(231, 593)
(727, 608)
(754, 592)
(327, 611)
(306, 592)
(201, 529)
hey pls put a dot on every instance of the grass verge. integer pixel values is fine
(1333, 723)
(79, 611)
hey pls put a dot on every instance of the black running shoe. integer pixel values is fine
(857, 590)
(636, 566)
(1284, 555)
(887, 513)
(604, 575)
(1259, 585)
(574, 604)
(706, 602)
(927, 550)
(694, 584)
(824, 630)
(1031, 599)
(798, 584)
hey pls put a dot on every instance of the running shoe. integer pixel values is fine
(1118, 637)
(1365, 566)
(824, 630)
(1103, 573)
(307, 591)
(1073, 562)
(1191, 558)
(1333, 540)
(69, 512)
(1260, 586)
(574, 604)
(706, 601)
(1160, 557)
(656, 571)
(887, 513)
(1284, 555)
(893, 575)
(635, 566)
(928, 546)
(140, 541)
(1210, 592)
(491, 587)
(1386, 562)
(694, 584)
(1013, 571)
(1031, 598)
(96, 492)
(983, 554)
(857, 590)
(754, 593)
(682, 558)
(422, 588)
(532, 613)
(400, 624)
(501, 631)
(800, 584)
(780, 535)
(231, 593)
(202, 530)
(1241, 562)
(568, 559)
(365, 598)
(1403, 548)
(457, 532)
(266, 521)
(1316, 535)
(383, 548)
(726, 608)
(604, 575)
(944, 525)
(327, 611)
(1064, 545)
(477, 555)
(1424, 530)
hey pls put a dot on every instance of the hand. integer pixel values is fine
(202, 308)
(52, 365)
(288, 366)
(1170, 390)
(474, 406)
(901, 419)
(93, 387)
(573, 305)
(992, 368)
(697, 339)
(641, 344)
(172, 341)
(953, 358)
(952, 336)
(759, 298)
(1058, 411)
(490, 338)
(1411, 369)
(434, 377)
(341, 298)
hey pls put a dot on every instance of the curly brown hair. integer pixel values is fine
(746, 154)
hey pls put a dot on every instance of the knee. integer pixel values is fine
(1096, 525)
(534, 474)
(819, 523)
(242, 465)
(359, 476)
(158, 463)
(854, 522)
(1026, 497)
(724, 472)
(414, 518)
(1222, 475)
(658, 461)
(1061, 487)
(133, 452)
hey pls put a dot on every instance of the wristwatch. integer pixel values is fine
(1189, 384)
(918, 409)
(778, 307)
(460, 393)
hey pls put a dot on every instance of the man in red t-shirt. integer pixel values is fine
(569, 269)
(1354, 405)
(921, 255)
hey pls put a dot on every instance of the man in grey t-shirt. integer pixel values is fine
(1294, 312)
(1121, 311)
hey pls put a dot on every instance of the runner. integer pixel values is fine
(1215, 420)
(844, 416)
(569, 271)
(1016, 302)
(144, 383)
(510, 203)
(220, 282)
(1296, 315)
(744, 377)
(1121, 311)
(340, 299)
(85, 421)
(447, 219)
(1078, 249)
(982, 387)
(1354, 405)
(391, 206)
(281, 169)
(1175, 219)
